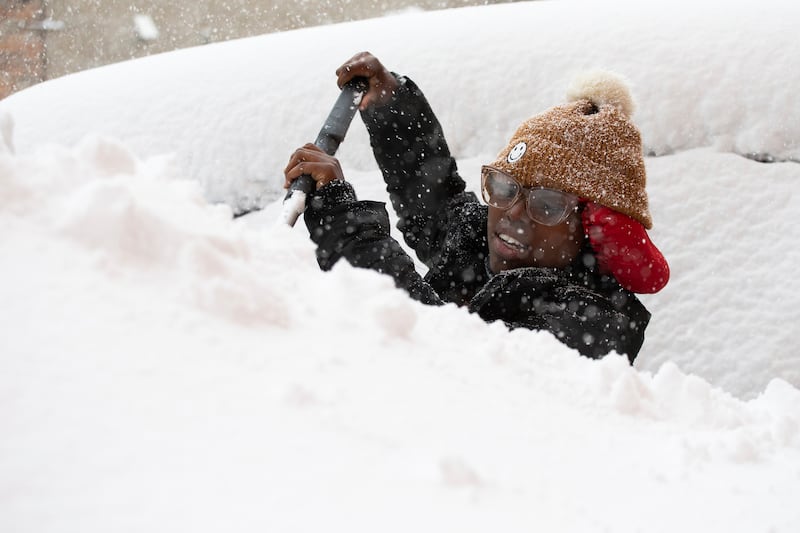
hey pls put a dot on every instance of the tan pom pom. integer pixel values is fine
(602, 87)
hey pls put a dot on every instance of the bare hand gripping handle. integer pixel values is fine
(330, 137)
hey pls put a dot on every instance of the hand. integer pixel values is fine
(311, 160)
(382, 83)
(624, 249)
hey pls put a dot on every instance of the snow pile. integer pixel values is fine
(169, 368)
(164, 366)
(702, 75)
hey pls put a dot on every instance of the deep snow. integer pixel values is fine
(165, 367)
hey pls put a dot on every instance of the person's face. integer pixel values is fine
(515, 240)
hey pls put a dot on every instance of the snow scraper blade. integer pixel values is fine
(330, 137)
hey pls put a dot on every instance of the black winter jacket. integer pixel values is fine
(446, 227)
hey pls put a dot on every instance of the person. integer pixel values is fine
(561, 245)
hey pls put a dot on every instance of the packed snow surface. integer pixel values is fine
(166, 367)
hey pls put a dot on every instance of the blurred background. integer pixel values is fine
(45, 39)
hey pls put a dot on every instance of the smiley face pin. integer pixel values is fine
(517, 152)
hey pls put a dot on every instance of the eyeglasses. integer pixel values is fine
(545, 206)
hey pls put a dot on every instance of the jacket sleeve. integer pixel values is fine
(343, 227)
(592, 322)
(421, 177)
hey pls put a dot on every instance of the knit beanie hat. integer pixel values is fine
(588, 147)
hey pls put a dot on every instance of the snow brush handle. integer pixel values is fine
(330, 137)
